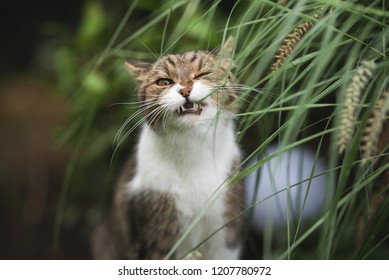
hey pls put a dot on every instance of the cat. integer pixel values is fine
(186, 156)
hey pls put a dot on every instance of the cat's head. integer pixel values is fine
(183, 89)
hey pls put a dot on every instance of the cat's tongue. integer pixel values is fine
(189, 108)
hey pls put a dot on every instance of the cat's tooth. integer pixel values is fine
(198, 108)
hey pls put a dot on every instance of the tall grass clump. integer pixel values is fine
(307, 80)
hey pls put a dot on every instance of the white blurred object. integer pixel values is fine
(292, 171)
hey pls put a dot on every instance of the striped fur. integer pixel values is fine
(185, 157)
(213, 69)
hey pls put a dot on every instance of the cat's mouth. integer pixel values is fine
(190, 108)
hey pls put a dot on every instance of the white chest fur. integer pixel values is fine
(193, 166)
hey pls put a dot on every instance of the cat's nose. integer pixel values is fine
(185, 92)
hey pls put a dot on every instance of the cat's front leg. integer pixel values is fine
(154, 227)
(233, 216)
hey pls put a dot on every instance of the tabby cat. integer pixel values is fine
(185, 159)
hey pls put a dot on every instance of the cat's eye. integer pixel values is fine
(201, 75)
(164, 82)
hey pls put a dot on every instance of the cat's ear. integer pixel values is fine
(137, 69)
(226, 52)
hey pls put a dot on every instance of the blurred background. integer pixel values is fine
(44, 44)
(63, 85)
(34, 110)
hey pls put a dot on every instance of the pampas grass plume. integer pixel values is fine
(292, 40)
(359, 80)
(374, 128)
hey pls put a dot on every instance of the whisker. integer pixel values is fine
(132, 117)
(157, 115)
(240, 88)
(134, 103)
(151, 52)
(135, 126)
(167, 113)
